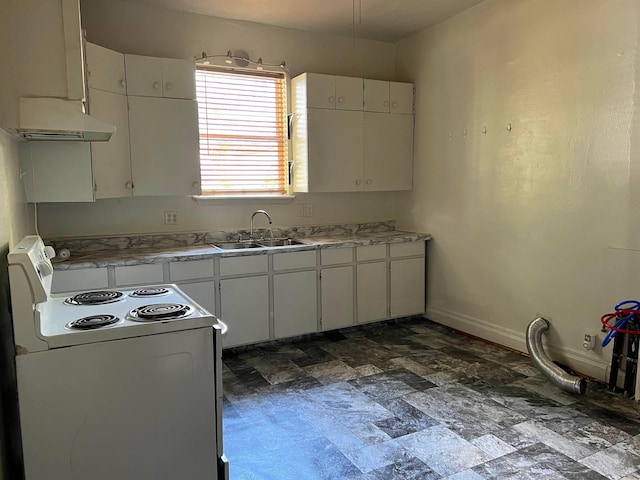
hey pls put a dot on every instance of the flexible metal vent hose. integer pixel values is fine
(568, 383)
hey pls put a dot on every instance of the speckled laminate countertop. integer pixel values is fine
(162, 254)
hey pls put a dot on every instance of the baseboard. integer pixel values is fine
(577, 360)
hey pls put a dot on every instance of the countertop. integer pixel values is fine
(140, 256)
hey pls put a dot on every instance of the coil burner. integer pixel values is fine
(160, 311)
(100, 297)
(94, 321)
(150, 292)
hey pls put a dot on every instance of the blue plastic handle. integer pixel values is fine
(621, 305)
(619, 324)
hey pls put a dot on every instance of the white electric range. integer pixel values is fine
(115, 383)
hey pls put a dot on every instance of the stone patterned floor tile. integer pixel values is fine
(492, 446)
(407, 469)
(334, 371)
(614, 462)
(554, 440)
(536, 461)
(442, 450)
(413, 400)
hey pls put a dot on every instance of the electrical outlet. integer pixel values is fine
(170, 217)
(308, 210)
(589, 340)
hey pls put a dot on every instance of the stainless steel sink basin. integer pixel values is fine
(236, 245)
(280, 242)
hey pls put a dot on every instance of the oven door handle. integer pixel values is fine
(222, 327)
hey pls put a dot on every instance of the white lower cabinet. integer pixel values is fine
(202, 292)
(407, 287)
(295, 303)
(244, 307)
(372, 291)
(337, 297)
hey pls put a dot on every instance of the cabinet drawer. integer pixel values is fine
(371, 252)
(406, 249)
(243, 265)
(190, 270)
(73, 280)
(294, 260)
(139, 274)
(335, 256)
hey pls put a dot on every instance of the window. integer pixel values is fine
(243, 132)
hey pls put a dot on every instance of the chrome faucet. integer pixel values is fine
(251, 223)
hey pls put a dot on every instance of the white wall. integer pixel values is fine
(144, 30)
(523, 222)
(15, 222)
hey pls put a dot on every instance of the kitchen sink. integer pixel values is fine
(276, 242)
(280, 242)
(236, 245)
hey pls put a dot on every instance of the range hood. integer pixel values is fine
(46, 118)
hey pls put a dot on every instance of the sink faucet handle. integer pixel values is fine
(239, 237)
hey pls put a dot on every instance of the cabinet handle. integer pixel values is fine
(129, 185)
(195, 184)
(331, 99)
(358, 181)
(340, 99)
(394, 104)
(156, 85)
(386, 103)
(369, 182)
(169, 86)
(122, 84)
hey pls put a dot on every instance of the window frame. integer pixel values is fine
(287, 192)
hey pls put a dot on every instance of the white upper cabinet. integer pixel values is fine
(331, 92)
(388, 150)
(401, 98)
(105, 69)
(165, 155)
(351, 134)
(108, 102)
(160, 77)
(385, 97)
(111, 160)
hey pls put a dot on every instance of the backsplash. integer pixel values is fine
(171, 240)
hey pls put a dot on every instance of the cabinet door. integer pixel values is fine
(295, 304)
(144, 75)
(165, 155)
(335, 150)
(407, 287)
(401, 98)
(337, 297)
(348, 93)
(244, 307)
(388, 151)
(178, 78)
(105, 69)
(376, 96)
(202, 292)
(372, 291)
(111, 160)
(321, 91)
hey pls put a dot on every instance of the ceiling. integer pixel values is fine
(386, 20)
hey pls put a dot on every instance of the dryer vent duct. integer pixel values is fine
(568, 383)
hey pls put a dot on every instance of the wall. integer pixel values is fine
(144, 30)
(542, 220)
(15, 222)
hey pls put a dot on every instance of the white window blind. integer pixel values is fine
(243, 125)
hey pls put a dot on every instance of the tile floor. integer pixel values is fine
(413, 400)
